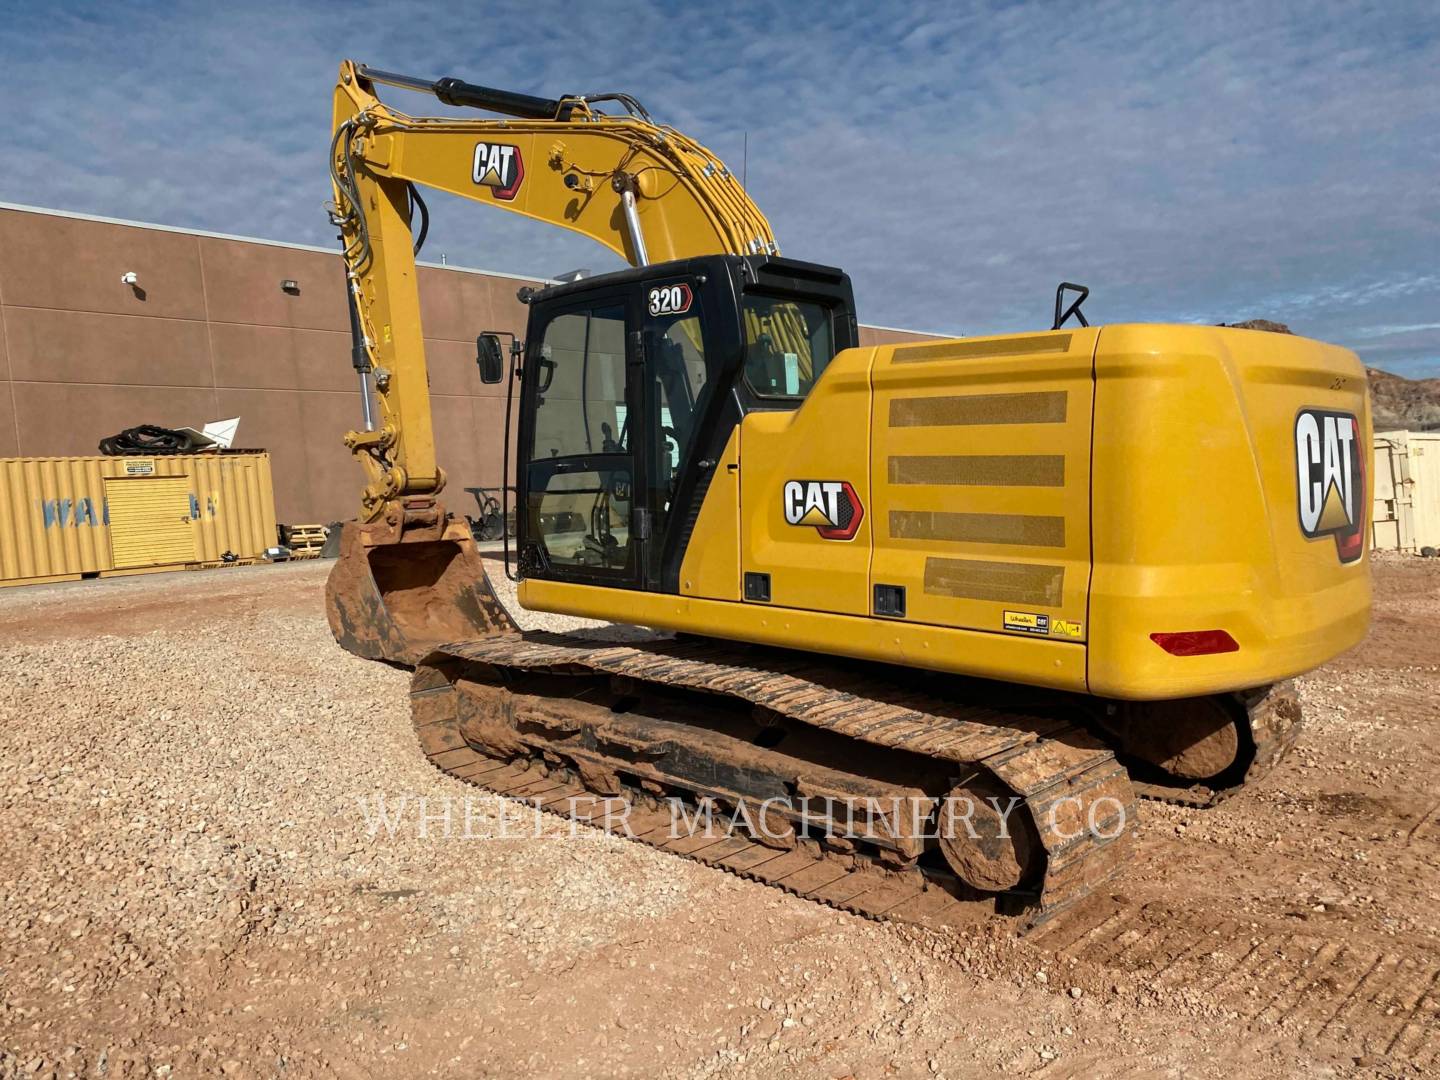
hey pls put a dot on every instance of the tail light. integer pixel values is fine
(1196, 642)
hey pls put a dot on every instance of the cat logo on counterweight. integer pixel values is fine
(1330, 473)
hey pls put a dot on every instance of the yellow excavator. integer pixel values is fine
(936, 612)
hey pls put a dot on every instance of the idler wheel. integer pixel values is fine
(1193, 738)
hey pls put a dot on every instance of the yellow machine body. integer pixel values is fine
(1163, 523)
(1048, 502)
(1067, 508)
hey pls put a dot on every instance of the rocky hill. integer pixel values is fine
(1398, 402)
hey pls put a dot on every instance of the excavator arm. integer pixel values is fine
(409, 576)
(648, 193)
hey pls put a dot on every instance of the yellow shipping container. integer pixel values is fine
(66, 518)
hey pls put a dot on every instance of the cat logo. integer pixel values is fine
(831, 507)
(498, 166)
(1330, 469)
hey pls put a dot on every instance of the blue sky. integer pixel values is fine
(1189, 162)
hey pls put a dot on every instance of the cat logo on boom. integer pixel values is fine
(1330, 469)
(831, 507)
(498, 166)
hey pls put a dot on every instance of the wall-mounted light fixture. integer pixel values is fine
(129, 278)
(291, 286)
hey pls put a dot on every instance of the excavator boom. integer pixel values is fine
(409, 576)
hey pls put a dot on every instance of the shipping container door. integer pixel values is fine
(150, 523)
(1425, 487)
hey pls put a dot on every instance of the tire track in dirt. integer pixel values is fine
(1376, 997)
(1427, 829)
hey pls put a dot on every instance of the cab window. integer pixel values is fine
(788, 344)
(581, 469)
(679, 371)
(580, 407)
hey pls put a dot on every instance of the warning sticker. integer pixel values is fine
(1027, 622)
(139, 468)
(1067, 628)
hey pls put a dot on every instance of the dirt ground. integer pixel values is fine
(195, 879)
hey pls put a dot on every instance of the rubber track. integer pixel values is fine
(1059, 769)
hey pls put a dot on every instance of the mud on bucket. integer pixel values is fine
(397, 601)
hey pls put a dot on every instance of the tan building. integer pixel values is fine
(218, 326)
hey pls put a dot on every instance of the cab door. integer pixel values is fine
(581, 450)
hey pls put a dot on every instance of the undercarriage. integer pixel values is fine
(890, 792)
(829, 782)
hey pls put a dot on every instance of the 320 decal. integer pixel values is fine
(670, 299)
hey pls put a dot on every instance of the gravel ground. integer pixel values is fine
(222, 853)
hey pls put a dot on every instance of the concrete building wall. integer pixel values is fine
(208, 333)
(888, 335)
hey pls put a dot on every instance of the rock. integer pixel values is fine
(1260, 324)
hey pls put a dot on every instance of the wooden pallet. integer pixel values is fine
(307, 541)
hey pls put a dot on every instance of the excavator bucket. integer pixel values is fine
(397, 600)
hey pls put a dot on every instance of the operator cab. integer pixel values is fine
(631, 385)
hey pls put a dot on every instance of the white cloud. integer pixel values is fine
(1211, 162)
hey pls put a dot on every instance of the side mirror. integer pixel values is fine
(490, 358)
